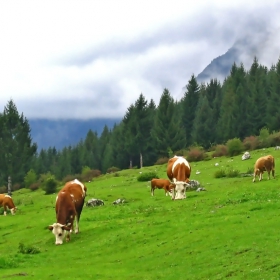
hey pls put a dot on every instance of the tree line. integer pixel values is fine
(207, 115)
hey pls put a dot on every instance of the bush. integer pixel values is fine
(251, 143)
(30, 178)
(220, 173)
(69, 178)
(274, 139)
(16, 187)
(24, 249)
(182, 153)
(220, 150)
(112, 169)
(3, 189)
(50, 185)
(147, 176)
(234, 146)
(264, 138)
(162, 160)
(196, 154)
(231, 173)
(89, 174)
(34, 186)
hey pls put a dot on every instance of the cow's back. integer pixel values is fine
(178, 168)
(265, 163)
(169, 167)
(74, 191)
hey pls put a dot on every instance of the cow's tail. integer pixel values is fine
(273, 167)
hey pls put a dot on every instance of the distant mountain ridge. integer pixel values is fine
(62, 133)
(220, 67)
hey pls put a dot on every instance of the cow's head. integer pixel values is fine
(180, 190)
(13, 210)
(59, 232)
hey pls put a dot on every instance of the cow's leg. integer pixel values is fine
(254, 179)
(5, 209)
(273, 175)
(268, 172)
(67, 236)
(76, 225)
(152, 191)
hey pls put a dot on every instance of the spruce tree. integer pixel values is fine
(17, 149)
(189, 104)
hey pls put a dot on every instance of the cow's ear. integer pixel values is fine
(66, 228)
(50, 227)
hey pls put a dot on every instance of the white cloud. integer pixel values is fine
(84, 59)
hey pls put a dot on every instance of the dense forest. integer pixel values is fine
(208, 114)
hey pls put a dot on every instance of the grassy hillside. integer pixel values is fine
(230, 231)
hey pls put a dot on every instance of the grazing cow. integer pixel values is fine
(7, 202)
(179, 171)
(69, 204)
(161, 184)
(265, 163)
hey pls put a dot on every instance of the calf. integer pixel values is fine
(69, 204)
(7, 202)
(161, 184)
(262, 164)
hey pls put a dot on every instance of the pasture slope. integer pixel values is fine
(230, 231)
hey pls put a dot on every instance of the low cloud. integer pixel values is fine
(85, 65)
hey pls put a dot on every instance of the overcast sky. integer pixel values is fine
(88, 59)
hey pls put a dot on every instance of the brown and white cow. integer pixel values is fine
(7, 202)
(265, 163)
(161, 184)
(179, 171)
(69, 205)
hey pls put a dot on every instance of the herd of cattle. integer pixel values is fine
(70, 199)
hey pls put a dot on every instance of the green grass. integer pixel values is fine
(229, 231)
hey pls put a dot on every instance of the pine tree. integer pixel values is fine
(167, 133)
(272, 118)
(17, 149)
(202, 127)
(189, 104)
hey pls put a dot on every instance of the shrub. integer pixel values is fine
(112, 169)
(147, 176)
(220, 173)
(34, 186)
(231, 173)
(264, 138)
(3, 189)
(89, 174)
(69, 178)
(16, 187)
(162, 160)
(220, 150)
(251, 143)
(30, 178)
(250, 170)
(274, 139)
(50, 185)
(234, 146)
(24, 249)
(196, 154)
(182, 153)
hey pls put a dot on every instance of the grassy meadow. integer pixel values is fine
(230, 231)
